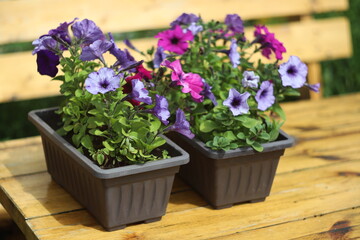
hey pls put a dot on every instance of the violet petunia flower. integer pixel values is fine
(268, 42)
(174, 40)
(62, 31)
(234, 54)
(87, 31)
(102, 81)
(124, 58)
(293, 73)
(185, 19)
(47, 63)
(265, 95)
(206, 92)
(129, 44)
(95, 50)
(237, 102)
(194, 28)
(250, 79)
(161, 110)
(45, 42)
(313, 87)
(139, 92)
(234, 23)
(159, 56)
(191, 82)
(181, 125)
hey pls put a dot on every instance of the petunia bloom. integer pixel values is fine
(206, 92)
(45, 42)
(139, 92)
(47, 63)
(268, 42)
(185, 19)
(159, 56)
(194, 28)
(250, 79)
(234, 23)
(62, 31)
(313, 87)
(124, 59)
(265, 95)
(161, 110)
(95, 50)
(181, 125)
(174, 40)
(192, 83)
(237, 102)
(102, 81)
(87, 31)
(234, 54)
(293, 72)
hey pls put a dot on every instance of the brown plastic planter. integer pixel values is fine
(115, 197)
(224, 178)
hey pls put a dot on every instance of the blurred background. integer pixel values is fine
(340, 76)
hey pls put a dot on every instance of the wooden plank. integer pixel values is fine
(318, 44)
(33, 19)
(308, 193)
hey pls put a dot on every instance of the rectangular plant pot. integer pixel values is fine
(224, 178)
(115, 197)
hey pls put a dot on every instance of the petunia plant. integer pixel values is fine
(231, 95)
(113, 113)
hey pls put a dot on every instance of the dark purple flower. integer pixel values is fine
(174, 40)
(45, 42)
(47, 62)
(234, 23)
(234, 54)
(102, 81)
(268, 42)
(129, 44)
(293, 73)
(159, 56)
(185, 19)
(250, 79)
(237, 102)
(139, 92)
(95, 50)
(313, 87)
(161, 110)
(181, 125)
(124, 59)
(194, 28)
(62, 31)
(265, 95)
(87, 31)
(208, 93)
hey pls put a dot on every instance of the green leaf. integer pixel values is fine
(257, 147)
(86, 142)
(230, 135)
(279, 111)
(241, 136)
(68, 128)
(248, 122)
(108, 146)
(208, 126)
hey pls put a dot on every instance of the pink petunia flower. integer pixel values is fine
(175, 40)
(269, 42)
(192, 83)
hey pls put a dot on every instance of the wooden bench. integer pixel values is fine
(313, 40)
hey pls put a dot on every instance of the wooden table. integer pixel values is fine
(316, 192)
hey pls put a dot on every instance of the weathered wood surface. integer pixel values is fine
(316, 192)
(311, 40)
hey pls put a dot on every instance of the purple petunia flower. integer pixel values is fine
(250, 79)
(45, 42)
(208, 93)
(194, 28)
(234, 54)
(62, 31)
(265, 95)
(87, 31)
(268, 42)
(237, 102)
(234, 23)
(293, 73)
(159, 57)
(47, 62)
(174, 40)
(161, 110)
(181, 125)
(139, 92)
(124, 59)
(313, 87)
(102, 81)
(185, 19)
(95, 50)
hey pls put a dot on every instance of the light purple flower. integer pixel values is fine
(234, 54)
(95, 50)
(159, 56)
(45, 42)
(234, 23)
(237, 102)
(87, 31)
(62, 31)
(208, 93)
(185, 19)
(265, 95)
(313, 87)
(47, 63)
(139, 92)
(194, 28)
(161, 110)
(102, 81)
(250, 79)
(293, 73)
(181, 125)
